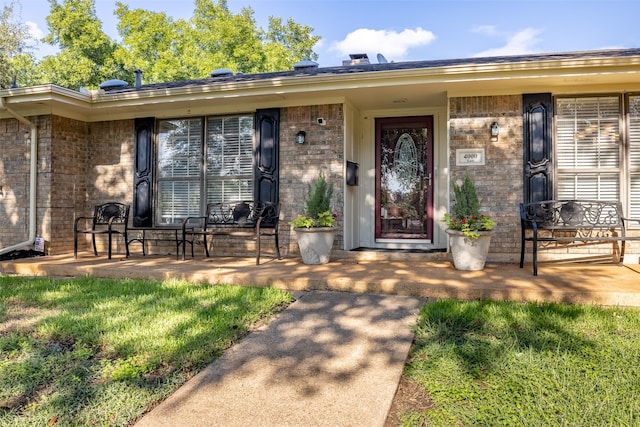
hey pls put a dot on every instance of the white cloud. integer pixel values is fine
(489, 30)
(392, 44)
(34, 31)
(40, 50)
(523, 42)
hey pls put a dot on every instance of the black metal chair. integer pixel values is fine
(109, 218)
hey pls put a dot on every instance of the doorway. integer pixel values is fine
(404, 179)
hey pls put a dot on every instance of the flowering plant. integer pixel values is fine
(470, 227)
(317, 211)
(465, 213)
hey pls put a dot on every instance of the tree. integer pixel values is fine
(214, 37)
(14, 36)
(155, 43)
(165, 49)
(287, 44)
(86, 55)
(226, 40)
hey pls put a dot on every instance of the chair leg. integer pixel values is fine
(277, 246)
(109, 257)
(93, 239)
(177, 247)
(206, 246)
(535, 255)
(258, 248)
(522, 250)
(184, 243)
(75, 244)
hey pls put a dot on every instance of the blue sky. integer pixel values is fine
(418, 29)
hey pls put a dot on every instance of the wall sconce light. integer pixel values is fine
(495, 131)
(300, 137)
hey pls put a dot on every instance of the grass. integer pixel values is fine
(88, 351)
(525, 364)
(101, 352)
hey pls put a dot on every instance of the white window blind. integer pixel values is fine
(179, 157)
(634, 156)
(229, 145)
(588, 148)
(227, 174)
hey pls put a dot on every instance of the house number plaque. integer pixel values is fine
(470, 157)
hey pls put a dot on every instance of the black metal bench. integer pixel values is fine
(573, 221)
(109, 218)
(246, 218)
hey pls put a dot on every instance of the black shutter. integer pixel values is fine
(143, 173)
(537, 144)
(266, 158)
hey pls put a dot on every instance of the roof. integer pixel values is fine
(366, 87)
(389, 66)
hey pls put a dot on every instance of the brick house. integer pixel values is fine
(568, 126)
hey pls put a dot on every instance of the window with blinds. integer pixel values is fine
(595, 159)
(588, 148)
(179, 155)
(202, 160)
(229, 158)
(634, 156)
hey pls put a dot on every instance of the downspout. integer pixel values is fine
(32, 182)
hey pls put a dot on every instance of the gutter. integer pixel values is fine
(32, 180)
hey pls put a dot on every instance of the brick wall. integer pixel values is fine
(15, 165)
(15, 154)
(103, 152)
(499, 181)
(83, 164)
(300, 164)
(110, 158)
(67, 169)
(91, 163)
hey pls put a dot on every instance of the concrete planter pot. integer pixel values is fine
(315, 244)
(468, 254)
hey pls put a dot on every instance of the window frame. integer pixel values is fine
(632, 210)
(202, 179)
(624, 168)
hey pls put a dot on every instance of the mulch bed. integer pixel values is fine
(20, 254)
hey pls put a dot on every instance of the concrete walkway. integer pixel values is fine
(330, 359)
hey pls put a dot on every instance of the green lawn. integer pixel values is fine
(501, 363)
(100, 352)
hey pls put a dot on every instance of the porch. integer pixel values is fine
(422, 275)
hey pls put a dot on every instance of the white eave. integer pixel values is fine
(364, 89)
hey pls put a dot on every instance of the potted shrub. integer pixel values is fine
(314, 228)
(469, 231)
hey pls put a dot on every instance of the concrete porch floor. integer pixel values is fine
(421, 275)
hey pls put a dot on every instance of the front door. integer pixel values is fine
(404, 178)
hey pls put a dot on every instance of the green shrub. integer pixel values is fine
(317, 206)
